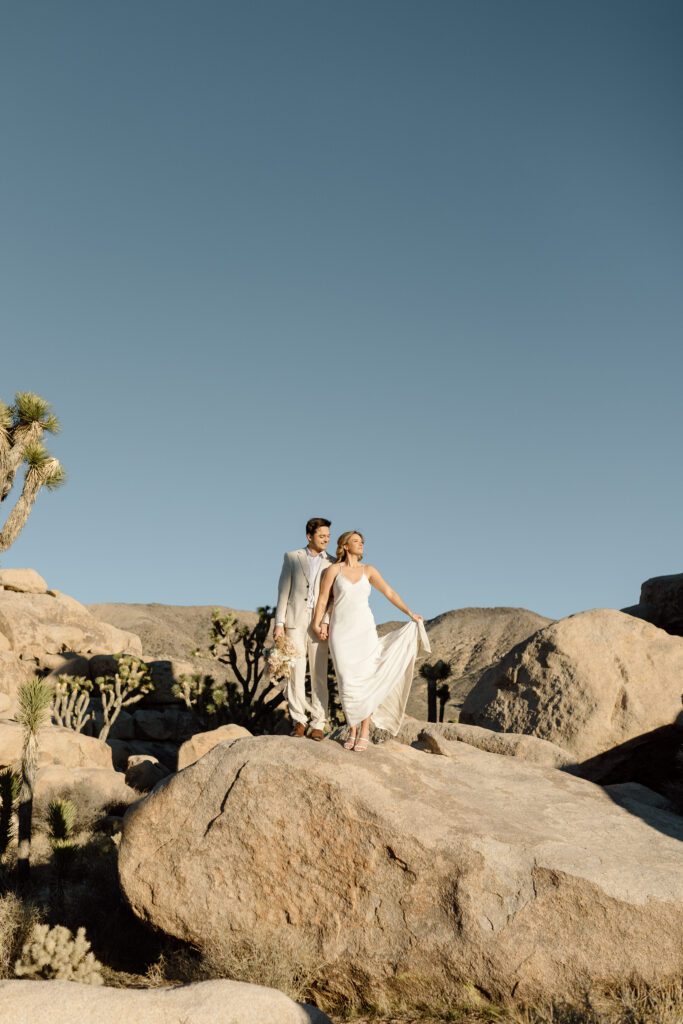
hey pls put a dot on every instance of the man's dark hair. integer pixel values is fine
(314, 524)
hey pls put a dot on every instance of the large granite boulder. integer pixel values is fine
(23, 581)
(587, 683)
(56, 746)
(208, 1002)
(397, 863)
(202, 742)
(42, 630)
(36, 624)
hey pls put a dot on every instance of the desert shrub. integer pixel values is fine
(17, 920)
(57, 953)
(290, 967)
(89, 806)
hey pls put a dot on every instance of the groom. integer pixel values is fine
(297, 595)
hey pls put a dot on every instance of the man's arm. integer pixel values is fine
(283, 590)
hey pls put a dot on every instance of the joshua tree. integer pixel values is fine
(72, 695)
(35, 698)
(247, 699)
(71, 703)
(130, 684)
(22, 426)
(434, 674)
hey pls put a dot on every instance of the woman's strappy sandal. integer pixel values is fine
(350, 742)
(361, 744)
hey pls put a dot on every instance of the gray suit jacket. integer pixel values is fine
(292, 591)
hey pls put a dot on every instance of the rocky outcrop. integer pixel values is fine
(398, 863)
(68, 762)
(442, 738)
(202, 742)
(56, 746)
(661, 602)
(23, 581)
(208, 1002)
(43, 630)
(35, 624)
(587, 683)
(470, 640)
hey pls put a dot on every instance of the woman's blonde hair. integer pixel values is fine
(343, 540)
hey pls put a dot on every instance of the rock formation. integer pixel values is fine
(202, 742)
(208, 1002)
(588, 683)
(661, 602)
(439, 737)
(514, 877)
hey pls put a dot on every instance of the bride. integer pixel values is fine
(374, 674)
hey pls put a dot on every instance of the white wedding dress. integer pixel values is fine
(374, 674)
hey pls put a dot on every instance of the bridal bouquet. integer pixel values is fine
(280, 659)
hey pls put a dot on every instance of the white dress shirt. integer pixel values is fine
(315, 563)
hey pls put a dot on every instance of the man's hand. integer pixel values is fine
(324, 631)
(278, 632)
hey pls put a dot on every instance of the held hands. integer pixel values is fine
(321, 631)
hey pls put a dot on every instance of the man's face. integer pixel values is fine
(319, 540)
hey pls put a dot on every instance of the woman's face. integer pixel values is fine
(355, 545)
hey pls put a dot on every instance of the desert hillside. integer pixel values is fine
(166, 630)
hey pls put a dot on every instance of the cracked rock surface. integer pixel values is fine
(516, 877)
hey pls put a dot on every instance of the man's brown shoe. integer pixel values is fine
(317, 735)
(298, 730)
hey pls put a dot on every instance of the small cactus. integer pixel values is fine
(55, 953)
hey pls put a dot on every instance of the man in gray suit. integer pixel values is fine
(297, 595)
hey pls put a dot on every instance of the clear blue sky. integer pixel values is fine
(412, 266)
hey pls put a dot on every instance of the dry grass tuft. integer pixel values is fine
(17, 919)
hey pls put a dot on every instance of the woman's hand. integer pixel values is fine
(317, 631)
(324, 631)
(416, 618)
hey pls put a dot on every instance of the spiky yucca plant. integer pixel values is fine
(61, 819)
(22, 426)
(35, 699)
(61, 822)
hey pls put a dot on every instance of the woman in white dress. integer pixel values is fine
(374, 674)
